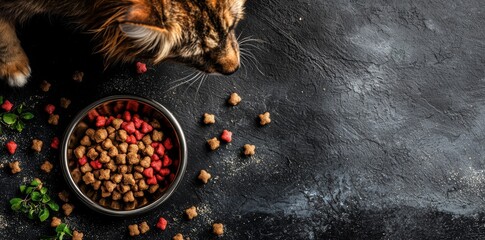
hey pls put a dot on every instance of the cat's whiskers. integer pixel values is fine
(252, 58)
(182, 82)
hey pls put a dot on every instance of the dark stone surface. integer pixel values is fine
(377, 107)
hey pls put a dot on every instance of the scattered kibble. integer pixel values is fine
(11, 147)
(141, 67)
(49, 109)
(64, 196)
(78, 76)
(214, 143)
(55, 143)
(55, 222)
(45, 86)
(37, 145)
(162, 223)
(53, 119)
(191, 212)
(249, 149)
(264, 118)
(47, 167)
(15, 167)
(209, 118)
(64, 103)
(204, 176)
(218, 229)
(226, 136)
(234, 99)
(67, 208)
(144, 227)
(133, 229)
(179, 236)
(77, 235)
(7, 106)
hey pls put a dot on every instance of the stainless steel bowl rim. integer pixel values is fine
(95, 206)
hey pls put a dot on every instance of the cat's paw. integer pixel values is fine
(16, 73)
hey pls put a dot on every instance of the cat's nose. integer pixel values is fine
(227, 64)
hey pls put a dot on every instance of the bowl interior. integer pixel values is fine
(114, 106)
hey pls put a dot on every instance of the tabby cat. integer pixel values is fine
(199, 33)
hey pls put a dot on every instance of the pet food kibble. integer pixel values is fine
(162, 223)
(92, 154)
(80, 151)
(100, 135)
(85, 141)
(7, 106)
(67, 208)
(141, 67)
(88, 178)
(153, 188)
(100, 121)
(53, 119)
(11, 147)
(179, 236)
(234, 99)
(145, 162)
(128, 197)
(46, 167)
(45, 86)
(117, 123)
(78, 76)
(55, 143)
(64, 103)
(77, 235)
(249, 149)
(55, 222)
(209, 118)
(96, 185)
(264, 118)
(15, 167)
(226, 136)
(49, 109)
(64, 196)
(134, 231)
(104, 158)
(128, 179)
(113, 152)
(157, 136)
(147, 140)
(144, 227)
(107, 144)
(76, 175)
(191, 212)
(110, 186)
(204, 176)
(218, 229)
(213, 143)
(104, 174)
(37, 145)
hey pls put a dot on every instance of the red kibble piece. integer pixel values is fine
(129, 127)
(147, 110)
(110, 120)
(155, 157)
(7, 106)
(146, 128)
(160, 150)
(164, 171)
(167, 161)
(154, 144)
(148, 172)
(100, 121)
(141, 67)
(55, 143)
(49, 108)
(162, 223)
(159, 177)
(83, 160)
(11, 147)
(168, 144)
(171, 177)
(131, 139)
(139, 135)
(137, 121)
(152, 180)
(118, 107)
(96, 164)
(93, 114)
(156, 165)
(132, 106)
(226, 136)
(127, 116)
(118, 116)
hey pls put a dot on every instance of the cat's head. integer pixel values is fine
(199, 33)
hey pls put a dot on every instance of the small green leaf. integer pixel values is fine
(15, 201)
(61, 236)
(20, 108)
(46, 198)
(68, 231)
(43, 190)
(16, 206)
(36, 196)
(61, 228)
(31, 214)
(34, 183)
(44, 214)
(9, 118)
(27, 115)
(22, 188)
(19, 126)
(53, 205)
(29, 190)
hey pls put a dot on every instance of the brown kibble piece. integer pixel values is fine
(15, 167)
(234, 99)
(78, 76)
(155, 124)
(47, 167)
(88, 178)
(121, 159)
(64, 196)
(64, 103)
(113, 151)
(117, 123)
(179, 236)
(110, 186)
(134, 231)
(128, 197)
(115, 195)
(204, 176)
(45, 86)
(96, 185)
(104, 158)
(157, 136)
(214, 143)
(86, 168)
(123, 169)
(100, 135)
(116, 178)
(37, 145)
(55, 222)
(124, 188)
(209, 118)
(107, 144)
(67, 208)
(123, 147)
(144, 227)
(264, 118)
(92, 154)
(77, 235)
(218, 229)
(142, 185)
(147, 140)
(80, 151)
(90, 133)
(249, 149)
(115, 205)
(76, 175)
(85, 141)
(53, 119)
(145, 162)
(122, 135)
(191, 212)
(133, 158)
(149, 150)
(104, 174)
(153, 188)
(132, 148)
(128, 179)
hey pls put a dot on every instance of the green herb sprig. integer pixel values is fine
(15, 119)
(36, 203)
(62, 231)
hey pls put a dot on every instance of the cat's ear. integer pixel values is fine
(143, 12)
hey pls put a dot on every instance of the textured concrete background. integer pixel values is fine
(377, 107)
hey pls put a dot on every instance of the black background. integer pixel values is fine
(377, 109)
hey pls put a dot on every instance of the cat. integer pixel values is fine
(199, 33)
